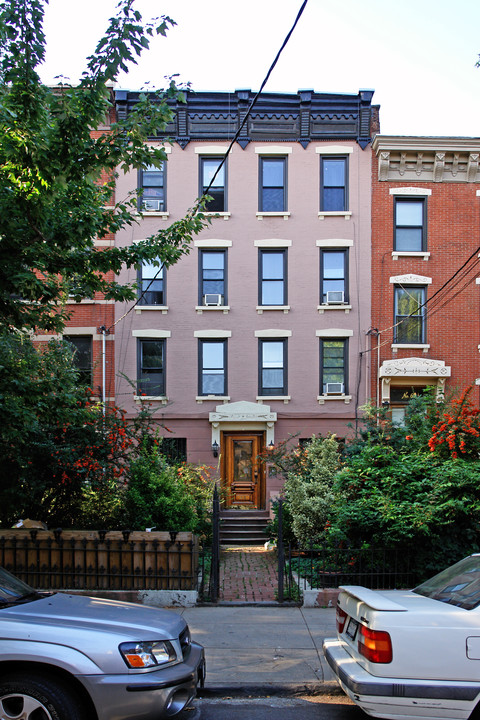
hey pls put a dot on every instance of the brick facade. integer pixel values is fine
(440, 174)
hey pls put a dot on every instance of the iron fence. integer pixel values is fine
(316, 567)
(209, 571)
(374, 568)
(94, 561)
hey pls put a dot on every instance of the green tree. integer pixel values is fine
(44, 416)
(156, 496)
(57, 176)
(62, 459)
(308, 490)
(413, 486)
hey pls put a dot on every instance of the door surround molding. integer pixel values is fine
(243, 416)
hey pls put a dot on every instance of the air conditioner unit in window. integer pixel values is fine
(334, 388)
(152, 205)
(335, 297)
(213, 299)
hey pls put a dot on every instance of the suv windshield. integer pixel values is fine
(12, 589)
(457, 585)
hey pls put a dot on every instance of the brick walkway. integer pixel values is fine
(247, 574)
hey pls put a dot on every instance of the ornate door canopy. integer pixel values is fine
(243, 415)
(415, 370)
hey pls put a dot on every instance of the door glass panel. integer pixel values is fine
(242, 460)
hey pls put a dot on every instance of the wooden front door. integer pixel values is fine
(243, 471)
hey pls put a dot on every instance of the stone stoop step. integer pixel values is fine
(243, 527)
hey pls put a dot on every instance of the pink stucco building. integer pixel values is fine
(260, 332)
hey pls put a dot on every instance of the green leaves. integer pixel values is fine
(57, 172)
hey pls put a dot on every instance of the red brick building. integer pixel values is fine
(90, 327)
(425, 247)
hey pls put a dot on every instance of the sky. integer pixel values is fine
(418, 55)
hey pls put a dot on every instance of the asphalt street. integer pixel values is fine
(336, 707)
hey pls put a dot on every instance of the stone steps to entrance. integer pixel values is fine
(243, 527)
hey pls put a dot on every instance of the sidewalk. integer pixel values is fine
(269, 650)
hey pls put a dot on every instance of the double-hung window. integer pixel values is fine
(273, 184)
(151, 367)
(410, 224)
(211, 172)
(333, 184)
(212, 366)
(333, 276)
(334, 366)
(152, 184)
(409, 315)
(213, 277)
(82, 357)
(151, 284)
(272, 364)
(272, 277)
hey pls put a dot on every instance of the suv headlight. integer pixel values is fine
(147, 654)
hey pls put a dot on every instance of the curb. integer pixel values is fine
(267, 689)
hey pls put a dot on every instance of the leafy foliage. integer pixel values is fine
(308, 472)
(165, 496)
(66, 462)
(57, 176)
(406, 486)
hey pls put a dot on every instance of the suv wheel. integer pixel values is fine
(35, 698)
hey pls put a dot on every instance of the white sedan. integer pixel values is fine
(411, 653)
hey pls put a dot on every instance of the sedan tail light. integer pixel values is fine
(341, 618)
(375, 645)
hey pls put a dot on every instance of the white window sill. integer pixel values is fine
(261, 308)
(345, 308)
(283, 398)
(334, 213)
(147, 308)
(285, 215)
(342, 398)
(85, 301)
(154, 213)
(410, 346)
(216, 398)
(400, 253)
(212, 308)
(224, 215)
(103, 243)
(151, 398)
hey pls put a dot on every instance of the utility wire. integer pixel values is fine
(430, 299)
(232, 143)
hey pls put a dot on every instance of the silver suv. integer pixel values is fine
(68, 657)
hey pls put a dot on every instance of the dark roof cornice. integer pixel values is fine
(300, 117)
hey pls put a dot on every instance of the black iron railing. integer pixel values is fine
(209, 576)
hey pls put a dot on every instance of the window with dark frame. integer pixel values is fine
(409, 315)
(334, 366)
(151, 367)
(273, 184)
(410, 224)
(217, 191)
(272, 269)
(213, 277)
(333, 184)
(272, 367)
(151, 285)
(334, 276)
(212, 367)
(82, 358)
(152, 185)
(174, 449)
